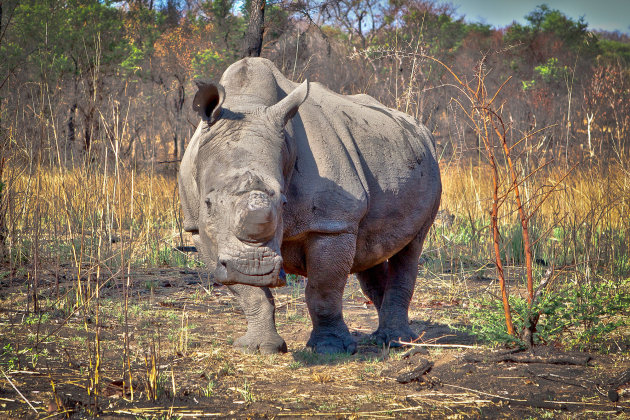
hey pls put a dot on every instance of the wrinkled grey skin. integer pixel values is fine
(296, 176)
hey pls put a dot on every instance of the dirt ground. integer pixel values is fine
(186, 325)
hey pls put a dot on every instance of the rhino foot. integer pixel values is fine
(263, 344)
(392, 336)
(331, 343)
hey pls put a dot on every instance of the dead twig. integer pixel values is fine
(530, 357)
(459, 346)
(497, 398)
(19, 393)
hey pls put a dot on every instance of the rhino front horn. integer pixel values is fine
(256, 218)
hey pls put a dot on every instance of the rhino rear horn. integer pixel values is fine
(208, 100)
(288, 107)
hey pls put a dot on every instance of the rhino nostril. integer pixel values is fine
(221, 273)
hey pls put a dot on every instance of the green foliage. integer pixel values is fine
(513, 250)
(586, 313)
(551, 71)
(276, 18)
(578, 315)
(295, 365)
(161, 254)
(527, 84)
(53, 38)
(536, 41)
(34, 319)
(613, 50)
(572, 33)
(207, 62)
(131, 64)
(9, 357)
(440, 33)
(220, 9)
(276, 21)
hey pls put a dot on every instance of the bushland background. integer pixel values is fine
(95, 114)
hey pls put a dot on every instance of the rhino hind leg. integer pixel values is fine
(329, 259)
(259, 308)
(390, 286)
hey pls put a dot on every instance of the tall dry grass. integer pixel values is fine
(74, 213)
(582, 223)
(69, 216)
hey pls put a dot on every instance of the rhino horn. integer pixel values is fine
(256, 218)
(288, 107)
(208, 100)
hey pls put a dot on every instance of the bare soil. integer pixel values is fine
(187, 325)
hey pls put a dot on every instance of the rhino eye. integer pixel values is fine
(208, 201)
(208, 204)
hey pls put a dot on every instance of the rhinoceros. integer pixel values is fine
(285, 177)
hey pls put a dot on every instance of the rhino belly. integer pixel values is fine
(395, 218)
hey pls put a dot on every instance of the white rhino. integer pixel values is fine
(286, 177)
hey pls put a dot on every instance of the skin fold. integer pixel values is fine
(285, 177)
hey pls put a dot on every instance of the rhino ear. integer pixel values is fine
(208, 100)
(288, 107)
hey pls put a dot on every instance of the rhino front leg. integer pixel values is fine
(390, 286)
(259, 308)
(328, 262)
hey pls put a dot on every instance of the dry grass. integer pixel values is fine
(581, 221)
(71, 213)
(68, 214)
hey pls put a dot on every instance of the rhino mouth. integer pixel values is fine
(255, 266)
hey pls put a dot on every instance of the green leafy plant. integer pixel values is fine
(9, 357)
(579, 315)
(246, 392)
(209, 389)
(295, 365)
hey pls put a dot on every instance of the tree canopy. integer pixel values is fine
(144, 55)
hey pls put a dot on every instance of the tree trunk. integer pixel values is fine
(71, 126)
(255, 28)
(3, 251)
(589, 121)
(3, 230)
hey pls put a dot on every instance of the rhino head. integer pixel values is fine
(233, 180)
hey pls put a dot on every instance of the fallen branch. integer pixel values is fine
(530, 357)
(416, 373)
(568, 381)
(552, 405)
(458, 346)
(18, 391)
